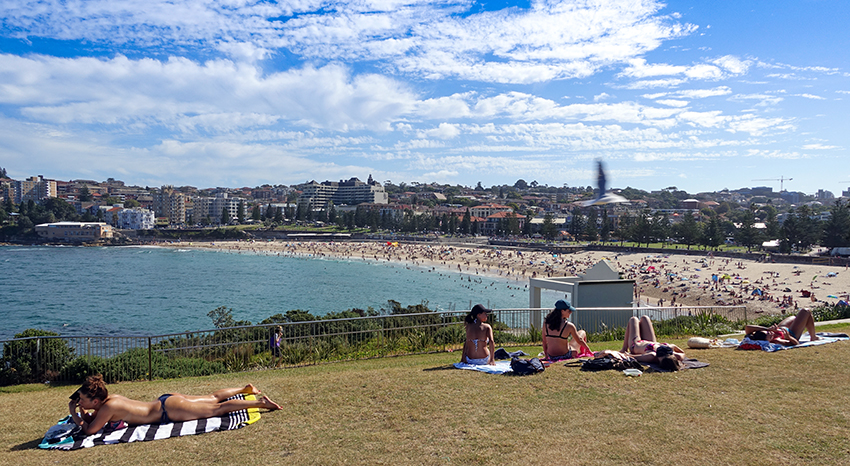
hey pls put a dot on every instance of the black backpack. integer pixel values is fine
(526, 366)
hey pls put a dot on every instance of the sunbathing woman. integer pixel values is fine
(116, 411)
(640, 341)
(479, 346)
(787, 332)
(557, 330)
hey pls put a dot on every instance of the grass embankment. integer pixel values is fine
(787, 407)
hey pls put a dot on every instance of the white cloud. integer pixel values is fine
(818, 147)
(548, 40)
(148, 92)
(673, 102)
(444, 131)
(810, 96)
(764, 99)
(733, 65)
(600, 97)
(719, 68)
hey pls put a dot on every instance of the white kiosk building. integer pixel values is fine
(599, 288)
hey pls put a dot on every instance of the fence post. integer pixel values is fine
(38, 355)
(150, 360)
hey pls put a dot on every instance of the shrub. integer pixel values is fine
(34, 359)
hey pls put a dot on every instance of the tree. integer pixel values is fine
(3, 173)
(641, 230)
(240, 213)
(255, 213)
(790, 235)
(85, 195)
(478, 187)
(712, 236)
(688, 231)
(548, 229)
(521, 184)
(465, 223)
(331, 212)
(131, 203)
(225, 216)
(591, 233)
(810, 228)
(222, 317)
(605, 229)
(772, 226)
(836, 231)
(746, 234)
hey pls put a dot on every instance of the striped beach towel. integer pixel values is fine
(146, 432)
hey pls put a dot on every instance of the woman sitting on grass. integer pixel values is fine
(479, 346)
(557, 330)
(640, 341)
(116, 411)
(787, 332)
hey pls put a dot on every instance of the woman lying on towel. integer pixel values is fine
(557, 330)
(116, 411)
(479, 346)
(640, 341)
(787, 332)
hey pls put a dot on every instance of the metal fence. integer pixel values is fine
(204, 352)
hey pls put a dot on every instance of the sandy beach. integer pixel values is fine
(668, 280)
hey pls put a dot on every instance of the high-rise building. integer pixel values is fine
(212, 207)
(352, 192)
(35, 189)
(170, 204)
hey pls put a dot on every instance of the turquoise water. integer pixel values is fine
(150, 290)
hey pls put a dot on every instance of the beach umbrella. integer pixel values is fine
(832, 296)
(757, 292)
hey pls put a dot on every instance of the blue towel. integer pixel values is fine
(804, 342)
(501, 367)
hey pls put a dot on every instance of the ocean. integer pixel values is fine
(138, 290)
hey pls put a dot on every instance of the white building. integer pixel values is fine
(213, 206)
(136, 219)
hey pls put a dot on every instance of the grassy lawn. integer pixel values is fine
(746, 407)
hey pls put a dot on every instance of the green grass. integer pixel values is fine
(746, 407)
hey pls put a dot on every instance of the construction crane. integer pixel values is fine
(781, 181)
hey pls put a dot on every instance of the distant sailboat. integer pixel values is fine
(603, 197)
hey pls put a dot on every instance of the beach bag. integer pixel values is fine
(526, 366)
(699, 343)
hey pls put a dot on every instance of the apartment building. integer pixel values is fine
(135, 219)
(34, 189)
(486, 210)
(170, 204)
(352, 192)
(213, 206)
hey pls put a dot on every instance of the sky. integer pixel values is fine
(694, 94)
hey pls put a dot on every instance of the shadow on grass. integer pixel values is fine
(440, 368)
(31, 445)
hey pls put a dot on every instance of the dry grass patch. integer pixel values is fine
(786, 407)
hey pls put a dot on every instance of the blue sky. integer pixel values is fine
(694, 94)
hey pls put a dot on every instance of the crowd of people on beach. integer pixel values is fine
(660, 280)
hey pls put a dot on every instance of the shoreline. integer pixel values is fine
(661, 280)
